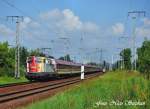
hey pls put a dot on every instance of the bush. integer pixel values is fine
(144, 59)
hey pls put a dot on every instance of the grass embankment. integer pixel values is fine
(110, 91)
(8, 80)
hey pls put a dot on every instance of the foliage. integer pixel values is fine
(106, 65)
(36, 52)
(92, 63)
(6, 59)
(144, 58)
(23, 55)
(116, 65)
(126, 56)
(66, 58)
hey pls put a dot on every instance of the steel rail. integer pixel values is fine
(16, 95)
(15, 92)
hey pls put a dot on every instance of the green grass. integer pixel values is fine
(7, 80)
(113, 86)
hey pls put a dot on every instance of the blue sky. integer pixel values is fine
(100, 23)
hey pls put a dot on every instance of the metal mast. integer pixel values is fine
(44, 51)
(66, 40)
(134, 15)
(100, 51)
(17, 43)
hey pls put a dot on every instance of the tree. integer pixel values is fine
(66, 58)
(61, 58)
(144, 58)
(126, 56)
(92, 63)
(3, 53)
(23, 55)
(36, 52)
(116, 65)
(7, 60)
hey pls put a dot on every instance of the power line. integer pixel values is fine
(13, 6)
(34, 19)
(24, 13)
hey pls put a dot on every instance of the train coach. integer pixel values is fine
(44, 68)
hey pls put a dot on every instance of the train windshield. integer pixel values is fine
(33, 59)
(38, 60)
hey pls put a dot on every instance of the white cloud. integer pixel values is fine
(67, 20)
(58, 23)
(118, 28)
(90, 27)
(25, 22)
(144, 30)
(5, 31)
(70, 21)
(29, 23)
(54, 14)
(146, 21)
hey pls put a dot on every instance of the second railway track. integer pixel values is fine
(14, 84)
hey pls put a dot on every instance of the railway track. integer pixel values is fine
(15, 95)
(18, 94)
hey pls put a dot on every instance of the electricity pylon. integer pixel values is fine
(134, 15)
(17, 50)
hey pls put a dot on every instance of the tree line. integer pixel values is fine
(7, 59)
(142, 62)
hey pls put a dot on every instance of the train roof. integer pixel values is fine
(67, 62)
(71, 63)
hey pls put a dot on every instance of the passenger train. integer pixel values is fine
(44, 68)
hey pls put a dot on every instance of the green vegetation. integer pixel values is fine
(7, 59)
(126, 56)
(113, 86)
(8, 80)
(144, 59)
(66, 58)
